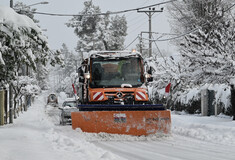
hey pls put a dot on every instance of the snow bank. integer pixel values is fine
(79, 147)
(35, 135)
(218, 129)
(93, 137)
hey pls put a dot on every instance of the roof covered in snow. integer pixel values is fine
(113, 54)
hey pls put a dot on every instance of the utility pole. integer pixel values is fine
(141, 43)
(150, 13)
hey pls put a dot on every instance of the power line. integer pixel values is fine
(146, 1)
(180, 35)
(159, 50)
(97, 14)
(132, 42)
(140, 24)
(191, 31)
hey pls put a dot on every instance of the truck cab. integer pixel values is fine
(114, 78)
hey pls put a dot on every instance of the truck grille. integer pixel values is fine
(114, 93)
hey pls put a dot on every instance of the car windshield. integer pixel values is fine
(115, 72)
(70, 104)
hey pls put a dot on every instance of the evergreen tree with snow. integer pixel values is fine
(114, 39)
(208, 50)
(22, 46)
(69, 61)
(98, 32)
(66, 72)
(41, 71)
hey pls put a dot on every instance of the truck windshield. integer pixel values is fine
(115, 72)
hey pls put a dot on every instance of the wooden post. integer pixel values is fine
(232, 89)
(2, 107)
(6, 106)
(10, 104)
(204, 102)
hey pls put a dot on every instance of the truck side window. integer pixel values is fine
(97, 71)
(80, 72)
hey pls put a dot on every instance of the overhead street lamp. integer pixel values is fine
(45, 2)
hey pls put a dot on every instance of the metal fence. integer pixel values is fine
(7, 112)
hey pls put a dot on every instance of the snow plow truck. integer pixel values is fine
(114, 96)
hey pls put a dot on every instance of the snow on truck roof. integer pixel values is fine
(114, 54)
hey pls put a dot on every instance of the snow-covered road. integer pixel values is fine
(36, 135)
(192, 138)
(175, 148)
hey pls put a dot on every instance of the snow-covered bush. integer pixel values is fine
(207, 53)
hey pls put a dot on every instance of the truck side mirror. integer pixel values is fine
(150, 79)
(150, 71)
(81, 80)
(80, 71)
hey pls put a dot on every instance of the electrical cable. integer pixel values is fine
(159, 50)
(133, 30)
(98, 14)
(191, 31)
(131, 42)
(146, 1)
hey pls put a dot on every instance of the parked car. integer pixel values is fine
(68, 106)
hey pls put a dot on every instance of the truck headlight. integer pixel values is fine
(87, 75)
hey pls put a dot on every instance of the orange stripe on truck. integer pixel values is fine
(123, 122)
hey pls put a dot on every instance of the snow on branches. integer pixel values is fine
(98, 32)
(207, 52)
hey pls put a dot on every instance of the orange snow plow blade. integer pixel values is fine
(135, 123)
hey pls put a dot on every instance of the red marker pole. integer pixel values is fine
(168, 87)
(74, 89)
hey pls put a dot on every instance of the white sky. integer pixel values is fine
(58, 33)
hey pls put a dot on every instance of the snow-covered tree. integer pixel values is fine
(98, 32)
(64, 73)
(22, 46)
(69, 61)
(208, 51)
(116, 32)
(41, 70)
(22, 43)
